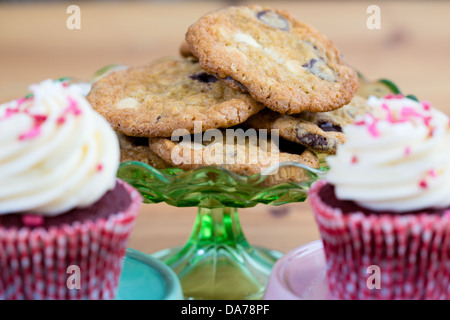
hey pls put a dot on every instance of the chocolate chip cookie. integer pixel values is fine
(282, 62)
(245, 155)
(337, 119)
(168, 94)
(319, 132)
(137, 149)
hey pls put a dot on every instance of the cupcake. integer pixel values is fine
(383, 208)
(64, 217)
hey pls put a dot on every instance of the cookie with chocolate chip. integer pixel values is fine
(320, 131)
(334, 121)
(137, 149)
(281, 62)
(240, 151)
(166, 95)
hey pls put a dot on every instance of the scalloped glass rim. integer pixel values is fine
(164, 175)
(214, 186)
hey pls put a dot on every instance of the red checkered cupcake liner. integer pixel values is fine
(380, 256)
(76, 261)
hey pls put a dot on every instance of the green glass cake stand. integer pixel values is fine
(217, 262)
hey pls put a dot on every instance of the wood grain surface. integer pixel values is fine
(412, 48)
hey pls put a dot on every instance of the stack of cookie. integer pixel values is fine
(240, 67)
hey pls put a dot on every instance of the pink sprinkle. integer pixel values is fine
(426, 105)
(99, 167)
(372, 127)
(20, 101)
(390, 118)
(61, 120)
(33, 132)
(407, 151)
(39, 119)
(362, 123)
(399, 96)
(389, 96)
(427, 121)
(65, 84)
(10, 112)
(410, 112)
(432, 173)
(32, 220)
(73, 107)
(373, 130)
(423, 184)
(354, 160)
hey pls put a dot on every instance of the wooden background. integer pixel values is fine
(412, 48)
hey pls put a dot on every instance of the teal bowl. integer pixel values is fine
(146, 278)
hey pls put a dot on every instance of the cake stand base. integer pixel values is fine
(217, 263)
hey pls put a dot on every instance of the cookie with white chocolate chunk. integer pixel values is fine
(166, 95)
(281, 62)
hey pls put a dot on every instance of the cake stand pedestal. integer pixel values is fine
(216, 262)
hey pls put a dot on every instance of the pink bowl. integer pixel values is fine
(299, 275)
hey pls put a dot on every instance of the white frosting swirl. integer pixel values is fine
(56, 152)
(396, 158)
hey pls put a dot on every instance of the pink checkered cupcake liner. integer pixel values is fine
(35, 262)
(410, 253)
